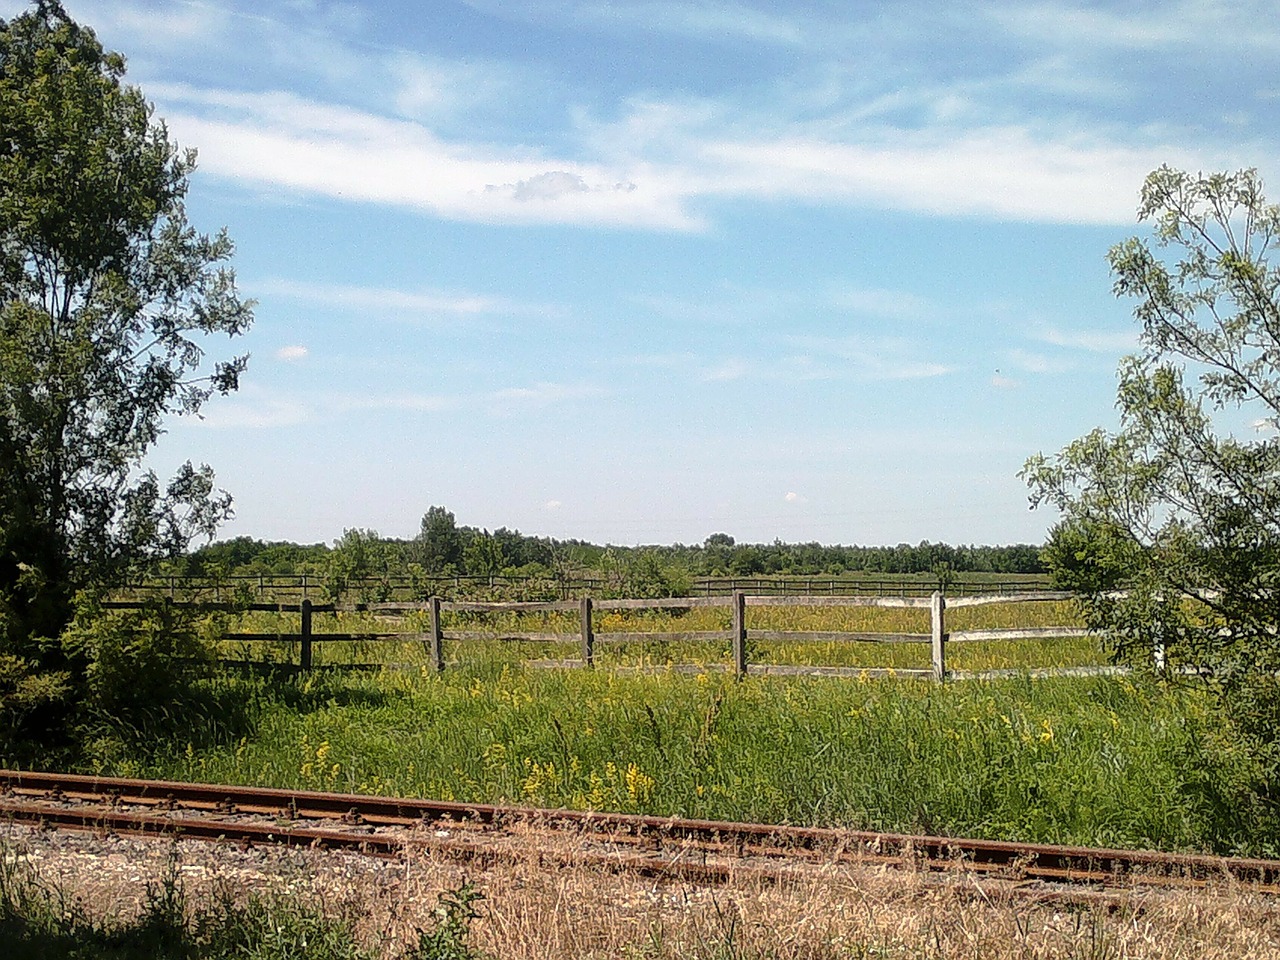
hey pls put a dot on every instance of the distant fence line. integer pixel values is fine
(587, 638)
(315, 587)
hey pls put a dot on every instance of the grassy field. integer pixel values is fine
(1101, 761)
(1091, 761)
(987, 655)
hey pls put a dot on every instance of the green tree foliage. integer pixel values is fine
(361, 557)
(106, 297)
(438, 546)
(483, 556)
(1181, 505)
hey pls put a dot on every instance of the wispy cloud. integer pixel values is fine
(869, 358)
(407, 402)
(955, 148)
(257, 408)
(1176, 25)
(707, 21)
(1004, 172)
(1094, 341)
(282, 140)
(386, 300)
(540, 395)
(732, 369)
(660, 180)
(1029, 361)
(893, 304)
(255, 413)
(292, 353)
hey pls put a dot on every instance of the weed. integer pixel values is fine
(450, 937)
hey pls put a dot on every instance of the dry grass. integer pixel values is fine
(533, 912)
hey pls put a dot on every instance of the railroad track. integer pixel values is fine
(696, 850)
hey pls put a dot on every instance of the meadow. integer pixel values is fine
(1124, 760)
(1102, 761)
(486, 632)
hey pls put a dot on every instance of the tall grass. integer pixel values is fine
(1089, 761)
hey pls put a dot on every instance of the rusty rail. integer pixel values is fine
(661, 846)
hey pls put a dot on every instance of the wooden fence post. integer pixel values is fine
(306, 635)
(588, 635)
(739, 634)
(938, 634)
(437, 637)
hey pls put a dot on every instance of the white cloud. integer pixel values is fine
(893, 304)
(1006, 172)
(384, 300)
(282, 140)
(292, 353)
(652, 167)
(553, 185)
(1167, 25)
(412, 402)
(707, 21)
(258, 408)
(702, 20)
(255, 413)
(1029, 361)
(963, 148)
(868, 358)
(434, 87)
(1001, 382)
(541, 395)
(1094, 341)
(174, 24)
(731, 369)
(552, 505)
(793, 497)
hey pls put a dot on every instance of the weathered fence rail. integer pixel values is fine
(587, 638)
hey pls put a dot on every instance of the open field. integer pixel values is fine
(1102, 761)
(1126, 762)
(659, 651)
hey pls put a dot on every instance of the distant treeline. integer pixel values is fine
(444, 548)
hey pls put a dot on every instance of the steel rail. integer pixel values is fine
(176, 827)
(46, 796)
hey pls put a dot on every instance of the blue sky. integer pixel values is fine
(641, 271)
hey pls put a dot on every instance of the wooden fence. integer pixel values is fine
(586, 639)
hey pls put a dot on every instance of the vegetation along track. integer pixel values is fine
(694, 850)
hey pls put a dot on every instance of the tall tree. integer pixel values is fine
(439, 543)
(107, 296)
(1181, 505)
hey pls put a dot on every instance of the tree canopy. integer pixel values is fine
(1180, 506)
(107, 297)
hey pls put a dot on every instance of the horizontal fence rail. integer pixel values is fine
(587, 638)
